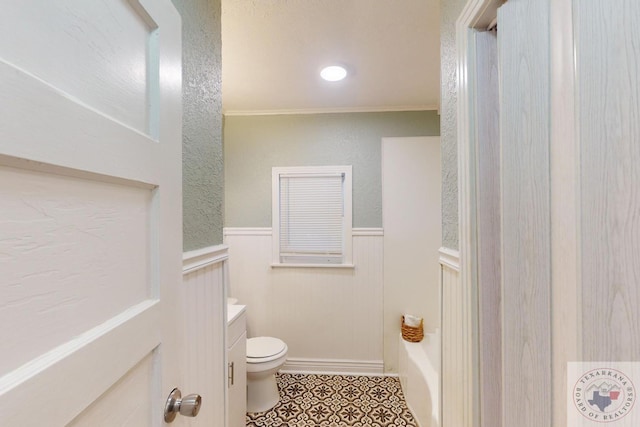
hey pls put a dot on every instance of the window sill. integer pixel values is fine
(278, 265)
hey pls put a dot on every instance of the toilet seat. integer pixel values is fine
(264, 349)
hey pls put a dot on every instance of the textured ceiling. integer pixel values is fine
(273, 50)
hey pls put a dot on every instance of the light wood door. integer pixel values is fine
(523, 61)
(90, 211)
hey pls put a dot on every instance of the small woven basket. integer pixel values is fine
(412, 333)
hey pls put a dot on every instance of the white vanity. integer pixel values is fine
(236, 368)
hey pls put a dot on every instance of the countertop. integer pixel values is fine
(234, 311)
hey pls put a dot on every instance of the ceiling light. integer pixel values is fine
(333, 73)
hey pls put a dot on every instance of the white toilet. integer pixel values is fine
(265, 356)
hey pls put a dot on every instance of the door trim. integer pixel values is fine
(476, 14)
(564, 149)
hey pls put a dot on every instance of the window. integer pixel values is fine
(312, 216)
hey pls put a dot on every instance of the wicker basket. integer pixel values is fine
(411, 333)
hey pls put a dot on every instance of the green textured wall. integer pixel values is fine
(449, 12)
(255, 144)
(202, 162)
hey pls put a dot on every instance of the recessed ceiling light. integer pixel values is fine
(333, 73)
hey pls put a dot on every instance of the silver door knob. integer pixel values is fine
(188, 406)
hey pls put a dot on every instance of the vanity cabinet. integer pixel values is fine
(236, 366)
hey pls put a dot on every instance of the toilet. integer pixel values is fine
(265, 356)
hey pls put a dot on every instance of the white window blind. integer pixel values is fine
(312, 216)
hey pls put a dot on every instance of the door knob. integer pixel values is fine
(188, 406)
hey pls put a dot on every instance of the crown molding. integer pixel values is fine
(391, 109)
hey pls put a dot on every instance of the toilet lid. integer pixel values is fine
(260, 348)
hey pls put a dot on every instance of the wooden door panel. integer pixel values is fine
(42, 124)
(58, 239)
(523, 60)
(61, 383)
(96, 52)
(130, 395)
(607, 40)
(90, 225)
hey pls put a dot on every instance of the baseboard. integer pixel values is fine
(333, 366)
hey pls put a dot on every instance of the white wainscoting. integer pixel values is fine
(456, 343)
(204, 358)
(330, 318)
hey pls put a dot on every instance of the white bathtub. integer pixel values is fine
(419, 371)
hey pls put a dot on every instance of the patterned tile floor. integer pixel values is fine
(335, 401)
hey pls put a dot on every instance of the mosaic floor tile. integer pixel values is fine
(335, 401)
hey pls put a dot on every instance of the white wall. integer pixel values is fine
(330, 318)
(411, 217)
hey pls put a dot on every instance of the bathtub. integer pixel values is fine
(418, 369)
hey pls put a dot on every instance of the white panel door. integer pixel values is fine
(90, 211)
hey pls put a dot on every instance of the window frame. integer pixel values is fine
(347, 230)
